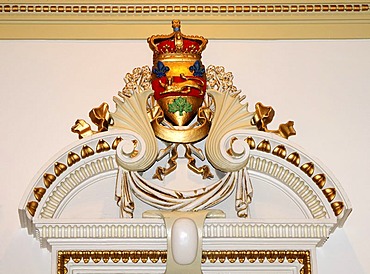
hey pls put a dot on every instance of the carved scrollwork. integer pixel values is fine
(229, 116)
(136, 82)
(130, 115)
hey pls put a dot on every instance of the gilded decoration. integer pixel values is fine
(180, 103)
(198, 9)
(242, 20)
(181, 140)
(319, 179)
(303, 257)
(307, 168)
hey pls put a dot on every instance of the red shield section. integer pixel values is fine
(180, 97)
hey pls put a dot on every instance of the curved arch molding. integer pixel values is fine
(291, 19)
(97, 245)
(308, 181)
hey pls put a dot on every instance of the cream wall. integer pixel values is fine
(324, 86)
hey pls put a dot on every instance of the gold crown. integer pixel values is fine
(176, 45)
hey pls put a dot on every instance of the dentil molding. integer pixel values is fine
(277, 19)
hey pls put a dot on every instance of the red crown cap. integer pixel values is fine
(176, 44)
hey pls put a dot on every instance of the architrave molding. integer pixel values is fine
(67, 19)
(302, 257)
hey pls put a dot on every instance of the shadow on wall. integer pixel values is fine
(333, 251)
(30, 258)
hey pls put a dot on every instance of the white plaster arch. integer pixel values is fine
(270, 157)
(272, 160)
(311, 174)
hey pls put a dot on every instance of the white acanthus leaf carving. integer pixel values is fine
(138, 150)
(229, 116)
(225, 146)
(224, 150)
(131, 115)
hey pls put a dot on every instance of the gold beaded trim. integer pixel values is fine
(177, 9)
(264, 146)
(308, 168)
(303, 257)
(59, 168)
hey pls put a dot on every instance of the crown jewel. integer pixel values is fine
(176, 44)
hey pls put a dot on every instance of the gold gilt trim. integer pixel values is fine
(59, 168)
(290, 19)
(308, 168)
(75, 8)
(263, 146)
(303, 257)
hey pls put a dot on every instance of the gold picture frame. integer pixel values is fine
(303, 257)
(253, 19)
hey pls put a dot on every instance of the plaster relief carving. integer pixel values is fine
(182, 141)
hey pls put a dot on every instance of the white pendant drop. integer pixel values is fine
(184, 238)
